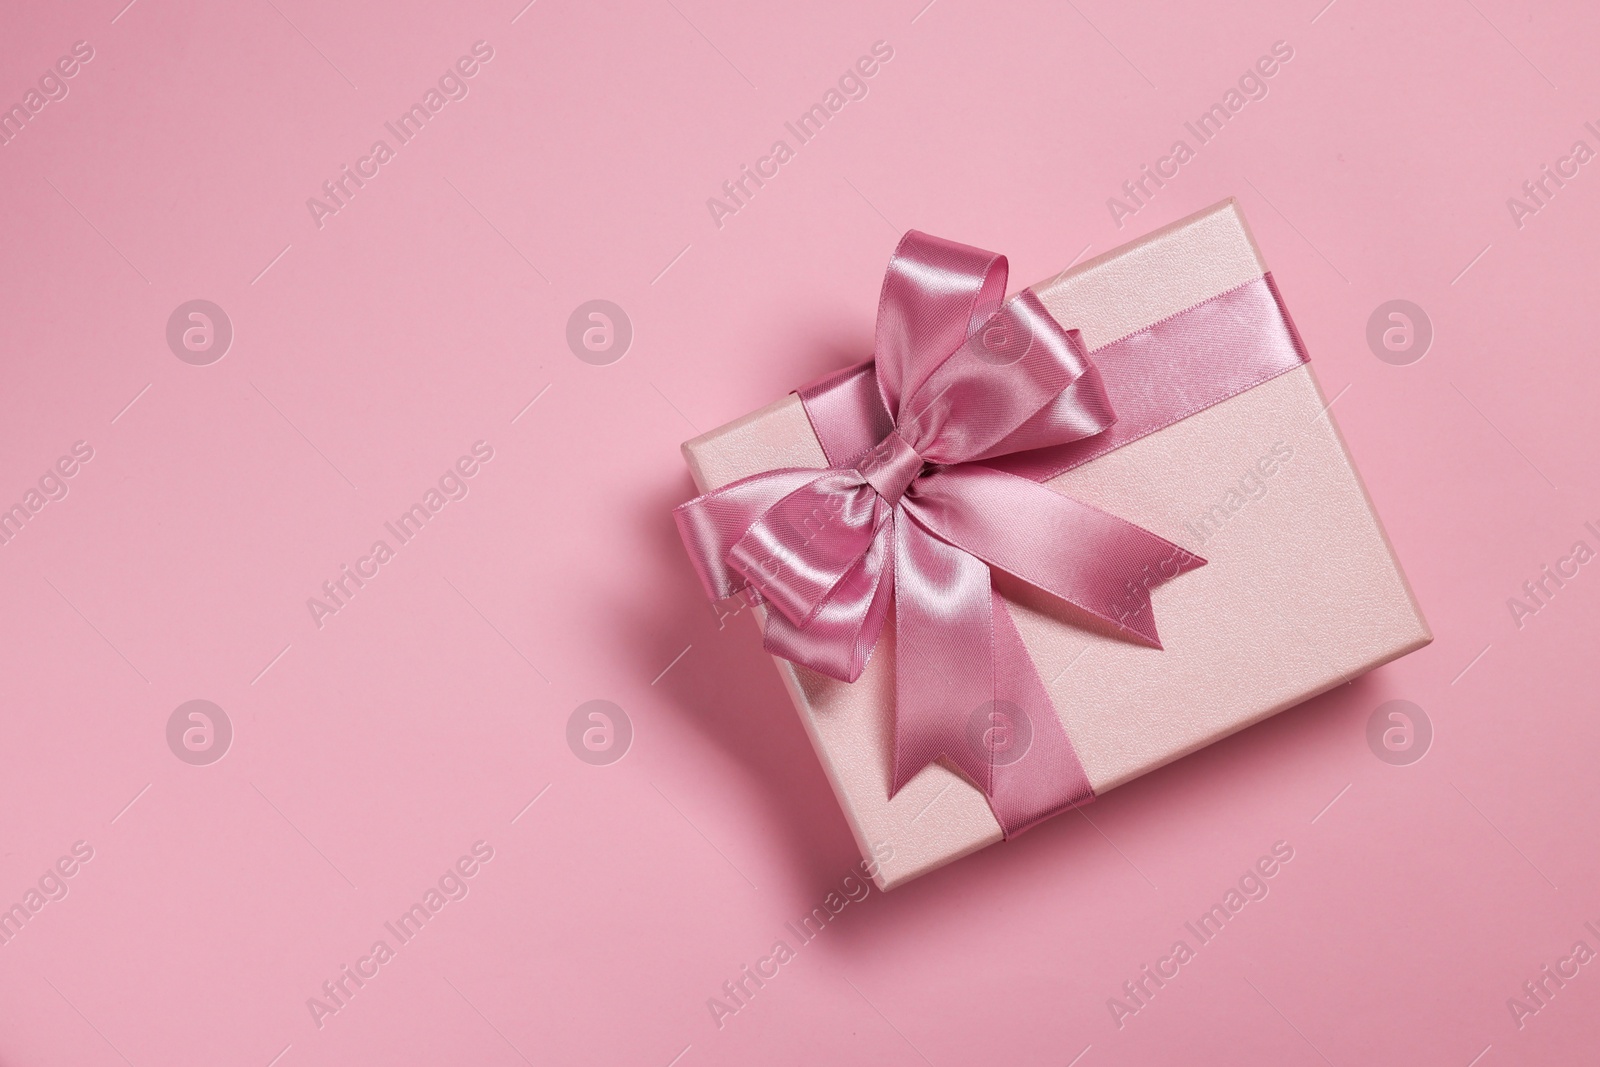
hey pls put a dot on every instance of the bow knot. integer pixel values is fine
(891, 466)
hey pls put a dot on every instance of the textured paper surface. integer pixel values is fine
(1301, 591)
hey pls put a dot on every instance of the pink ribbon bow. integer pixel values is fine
(911, 513)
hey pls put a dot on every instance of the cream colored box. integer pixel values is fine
(1301, 591)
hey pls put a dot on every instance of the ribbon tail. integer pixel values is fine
(967, 690)
(1037, 772)
(1109, 570)
(944, 656)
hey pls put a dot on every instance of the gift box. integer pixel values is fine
(1299, 590)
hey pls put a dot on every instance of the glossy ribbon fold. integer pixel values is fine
(937, 448)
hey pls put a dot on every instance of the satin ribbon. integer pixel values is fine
(936, 451)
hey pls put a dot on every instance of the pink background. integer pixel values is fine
(369, 754)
